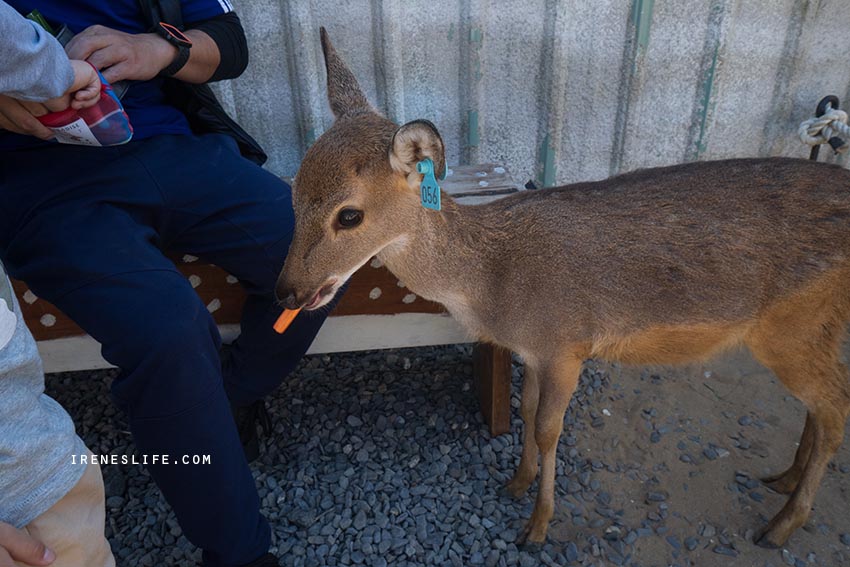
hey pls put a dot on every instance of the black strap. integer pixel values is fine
(198, 102)
(168, 11)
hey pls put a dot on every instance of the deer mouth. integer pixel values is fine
(322, 296)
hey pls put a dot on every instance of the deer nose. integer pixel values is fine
(289, 301)
(285, 296)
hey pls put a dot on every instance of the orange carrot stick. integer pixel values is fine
(285, 319)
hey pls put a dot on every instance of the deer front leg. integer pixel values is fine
(557, 382)
(527, 470)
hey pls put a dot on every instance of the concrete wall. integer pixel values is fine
(558, 90)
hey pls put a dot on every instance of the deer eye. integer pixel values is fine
(349, 218)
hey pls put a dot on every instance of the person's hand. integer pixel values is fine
(20, 117)
(85, 91)
(119, 55)
(16, 545)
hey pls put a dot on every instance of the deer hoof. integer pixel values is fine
(525, 541)
(780, 483)
(522, 538)
(511, 491)
(767, 540)
(531, 547)
(505, 492)
(781, 486)
(773, 477)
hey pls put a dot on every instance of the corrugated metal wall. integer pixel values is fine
(558, 90)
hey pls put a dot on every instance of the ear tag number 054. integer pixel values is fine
(429, 189)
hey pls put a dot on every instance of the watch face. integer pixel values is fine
(175, 36)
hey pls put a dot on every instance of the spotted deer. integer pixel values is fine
(657, 266)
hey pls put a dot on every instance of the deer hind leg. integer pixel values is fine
(557, 382)
(786, 481)
(828, 434)
(527, 470)
(810, 368)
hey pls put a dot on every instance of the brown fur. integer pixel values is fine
(657, 266)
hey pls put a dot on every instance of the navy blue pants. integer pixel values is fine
(85, 228)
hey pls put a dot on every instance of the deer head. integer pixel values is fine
(356, 192)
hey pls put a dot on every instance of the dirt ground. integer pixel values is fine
(658, 467)
(694, 439)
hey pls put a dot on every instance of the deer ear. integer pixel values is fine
(414, 142)
(344, 92)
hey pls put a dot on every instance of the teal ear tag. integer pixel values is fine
(429, 189)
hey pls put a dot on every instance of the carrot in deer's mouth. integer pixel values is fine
(285, 319)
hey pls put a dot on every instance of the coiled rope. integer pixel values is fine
(826, 129)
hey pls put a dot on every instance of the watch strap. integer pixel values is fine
(177, 63)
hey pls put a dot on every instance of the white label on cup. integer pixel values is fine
(77, 132)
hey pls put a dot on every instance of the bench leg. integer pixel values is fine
(492, 373)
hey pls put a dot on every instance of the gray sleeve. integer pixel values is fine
(33, 66)
(38, 444)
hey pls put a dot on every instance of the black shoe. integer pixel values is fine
(247, 419)
(267, 560)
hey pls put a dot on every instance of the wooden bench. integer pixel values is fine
(376, 312)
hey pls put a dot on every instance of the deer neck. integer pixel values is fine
(438, 258)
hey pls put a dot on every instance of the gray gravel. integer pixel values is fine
(382, 458)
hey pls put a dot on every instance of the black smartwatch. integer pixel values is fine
(179, 40)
